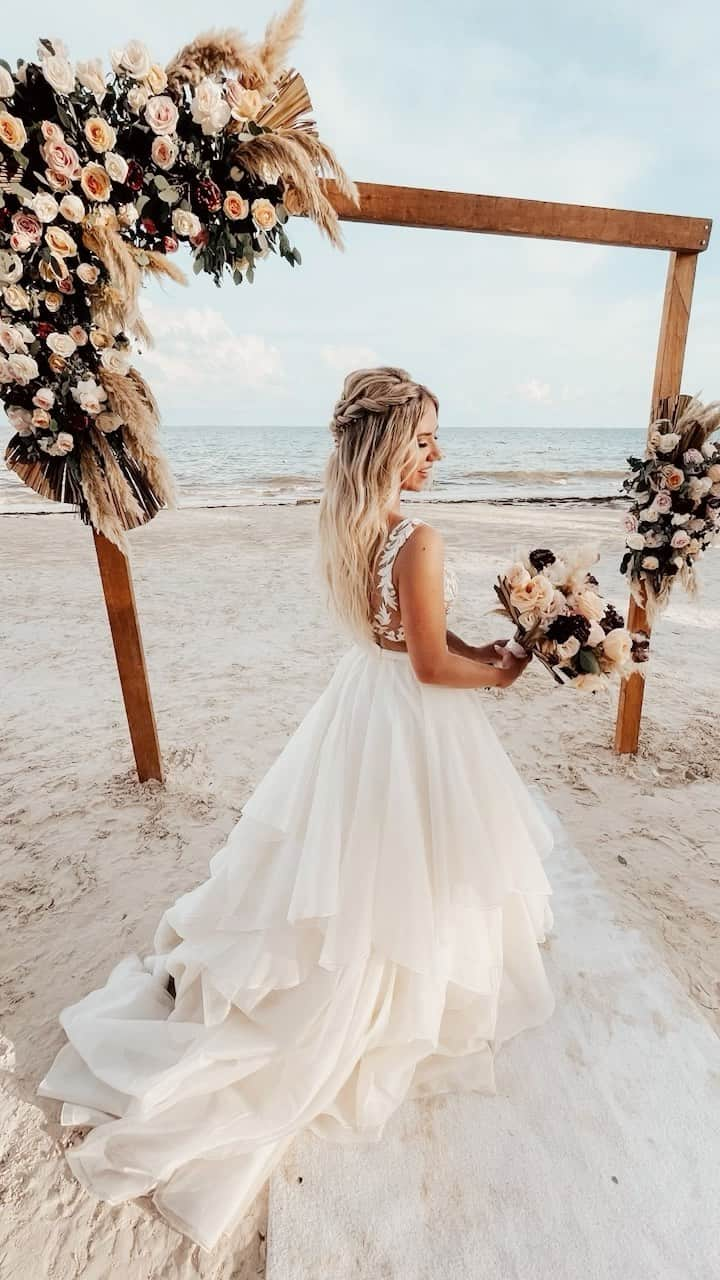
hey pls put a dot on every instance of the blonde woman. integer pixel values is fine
(369, 931)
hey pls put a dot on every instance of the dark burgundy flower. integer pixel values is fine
(43, 329)
(148, 226)
(134, 177)
(170, 244)
(208, 195)
(200, 239)
(611, 619)
(540, 558)
(567, 625)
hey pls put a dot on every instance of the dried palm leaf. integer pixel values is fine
(271, 156)
(289, 106)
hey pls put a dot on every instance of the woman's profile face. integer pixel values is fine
(427, 449)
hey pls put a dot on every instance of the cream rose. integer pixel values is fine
(72, 208)
(92, 77)
(245, 104)
(538, 593)
(133, 60)
(5, 373)
(99, 339)
(58, 181)
(208, 108)
(23, 368)
(666, 443)
(62, 344)
(64, 443)
(11, 338)
(185, 223)
(596, 635)
(234, 207)
(44, 398)
(127, 215)
(88, 273)
(45, 206)
(61, 242)
(20, 242)
(137, 98)
(156, 78)
(673, 476)
(590, 605)
(680, 539)
(41, 418)
(78, 335)
(16, 297)
(53, 301)
(161, 114)
(263, 214)
(100, 134)
(568, 649)
(517, 575)
(650, 563)
(95, 182)
(714, 473)
(115, 361)
(116, 166)
(164, 152)
(588, 683)
(59, 74)
(7, 84)
(89, 395)
(617, 645)
(12, 131)
(51, 132)
(635, 541)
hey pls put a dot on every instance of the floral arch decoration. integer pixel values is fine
(101, 179)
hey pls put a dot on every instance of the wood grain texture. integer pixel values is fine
(507, 216)
(122, 614)
(668, 375)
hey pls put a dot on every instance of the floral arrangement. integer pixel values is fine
(675, 513)
(561, 619)
(102, 179)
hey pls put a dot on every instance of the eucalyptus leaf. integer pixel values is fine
(588, 662)
(6, 65)
(297, 256)
(199, 263)
(160, 181)
(169, 195)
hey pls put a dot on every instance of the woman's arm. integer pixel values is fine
(420, 581)
(478, 652)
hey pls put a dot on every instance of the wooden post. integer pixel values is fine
(668, 375)
(127, 641)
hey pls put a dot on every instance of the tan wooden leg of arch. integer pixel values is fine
(668, 376)
(130, 657)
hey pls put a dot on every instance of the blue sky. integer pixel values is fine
(611, 104)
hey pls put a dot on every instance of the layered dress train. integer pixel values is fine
(369, 932)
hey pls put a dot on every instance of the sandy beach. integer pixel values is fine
(238, 646)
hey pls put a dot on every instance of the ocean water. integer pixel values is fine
(241, 466)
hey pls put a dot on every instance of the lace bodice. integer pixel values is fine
(389, 605)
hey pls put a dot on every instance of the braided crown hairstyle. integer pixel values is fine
(373, 428)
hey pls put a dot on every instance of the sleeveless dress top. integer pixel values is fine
(398, 536)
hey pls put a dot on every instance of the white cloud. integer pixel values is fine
(536, 391)
(344, 358)
(197, 350)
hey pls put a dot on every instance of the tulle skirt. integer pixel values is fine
(368, 933)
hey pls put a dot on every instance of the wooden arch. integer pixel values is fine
(683, 238)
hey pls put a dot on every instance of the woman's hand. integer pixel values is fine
(488, 652)
(511, 664)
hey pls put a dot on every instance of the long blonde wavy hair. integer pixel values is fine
(373, 427)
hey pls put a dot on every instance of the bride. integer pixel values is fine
(369, 931)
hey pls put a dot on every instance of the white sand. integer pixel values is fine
(238, 647)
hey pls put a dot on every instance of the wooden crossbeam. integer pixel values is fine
(507, 216)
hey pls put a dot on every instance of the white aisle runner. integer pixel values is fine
(598, 1158)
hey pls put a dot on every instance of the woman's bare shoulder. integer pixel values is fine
(425, 542)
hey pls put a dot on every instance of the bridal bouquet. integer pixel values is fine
(561, 618)
(675, 514)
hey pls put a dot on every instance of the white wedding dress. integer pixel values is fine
(368, 933)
